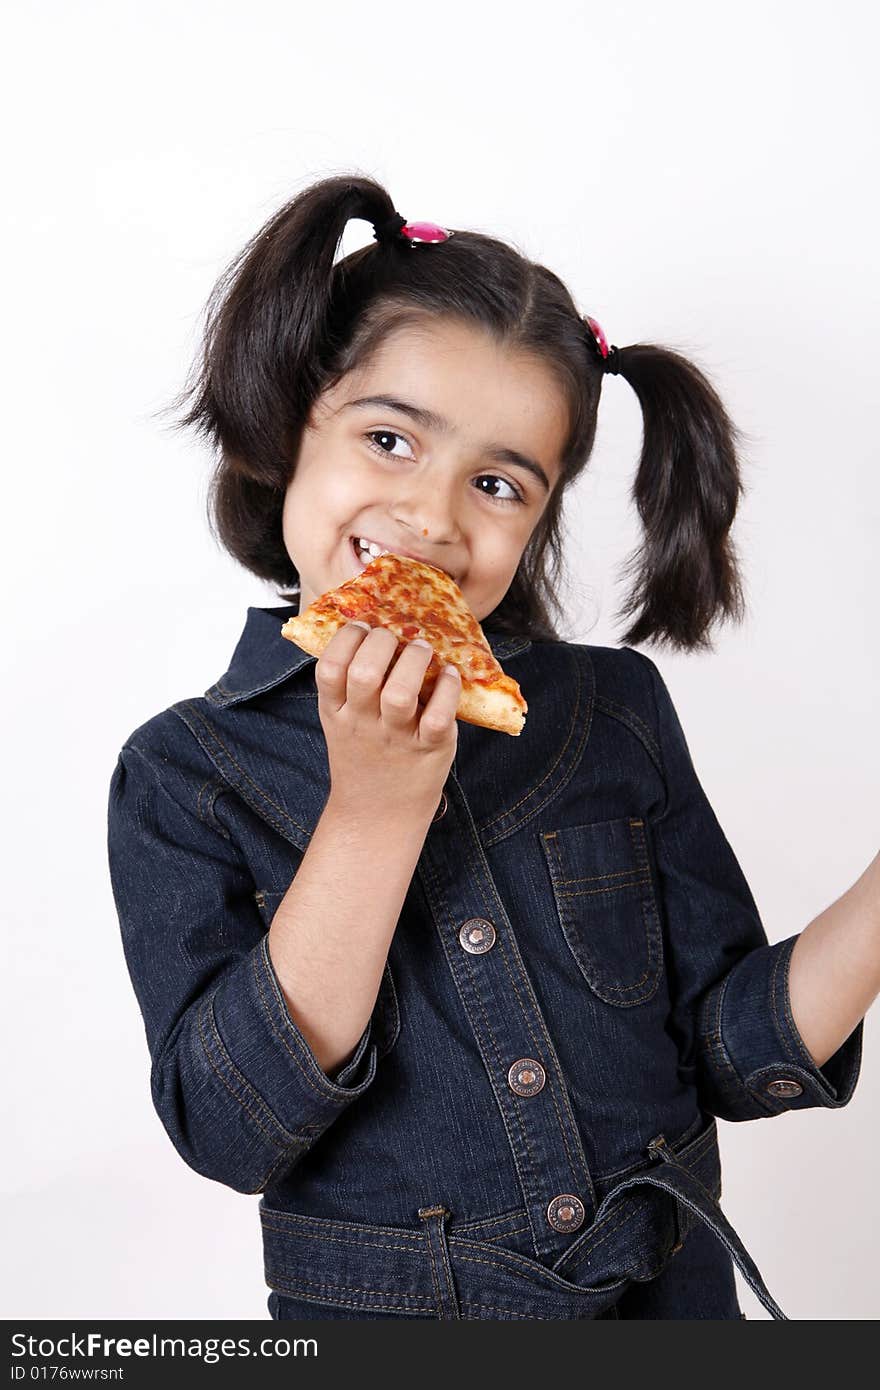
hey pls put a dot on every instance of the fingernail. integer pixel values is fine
(453, 671)
(420, 642)
(355, 622)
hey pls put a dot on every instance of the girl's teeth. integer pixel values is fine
(370, 548)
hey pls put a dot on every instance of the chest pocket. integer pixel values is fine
(386, 1012)
(606, 905)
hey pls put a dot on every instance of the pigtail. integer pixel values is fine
(268, 331)
(688, 485)
(266, 320)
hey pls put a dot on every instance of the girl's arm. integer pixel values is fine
(236, 1083)
(834, 974)
(331, 934)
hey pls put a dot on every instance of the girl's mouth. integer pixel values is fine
(362, 558)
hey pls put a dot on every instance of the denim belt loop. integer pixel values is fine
(441, 1269)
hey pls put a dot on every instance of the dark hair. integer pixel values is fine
(284, 323)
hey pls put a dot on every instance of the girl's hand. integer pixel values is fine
(387, 753)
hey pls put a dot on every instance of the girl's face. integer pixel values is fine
(455, 466)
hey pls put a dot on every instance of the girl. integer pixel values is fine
(463, 1008)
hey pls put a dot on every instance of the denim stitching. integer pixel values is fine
(246, 777)
(574, 1159)
(488, 1221)
(438, 1301)
(507, 1312)
(290, 1139)
(530, 791)
(625, 1217)
(692, 1153)
(336, 1289)
(534, 1274)
(726, 1061)
(206, 814)
(596, 878)
(687, 1155)
(444, 1255)
(297, 1219)
(284, 1041)
(502, 1235)
(465, 1308)
(292, 1290)
(313, 1085)
(573, 765)
(282, 1157)
(345, 1240)
(434, 1279)
(720, 1234)
(393, 1008)
(513, 1112)
(213, 1065)
(225, 1058)
(640, 1168)
(547, 1045)
(569, 927)
(634, 724)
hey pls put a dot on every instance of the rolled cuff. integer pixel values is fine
(264, 1047)
(755, 1062)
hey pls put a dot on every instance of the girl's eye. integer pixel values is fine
(392, 434)
(384, 434)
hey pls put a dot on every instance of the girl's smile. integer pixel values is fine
(445, 446)
(365, 550)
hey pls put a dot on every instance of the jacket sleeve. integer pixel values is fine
(731, 1012)
(233, 1080)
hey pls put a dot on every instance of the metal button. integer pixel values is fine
(477, 935)
(566, 1212)
(526, 1077)
(784, 1088)
(441, 808)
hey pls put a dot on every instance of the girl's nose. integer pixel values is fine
(429, 519)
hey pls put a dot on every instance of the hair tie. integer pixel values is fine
(396, 229)
(610, 356)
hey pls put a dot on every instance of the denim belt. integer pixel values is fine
(450, 1269)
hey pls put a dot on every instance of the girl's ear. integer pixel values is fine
(685, 574)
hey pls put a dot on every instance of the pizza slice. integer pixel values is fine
(413, 599)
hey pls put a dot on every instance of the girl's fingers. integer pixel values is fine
(400, 694)
(364, 668)
(368, 670)
(438, 718)
(331, 669)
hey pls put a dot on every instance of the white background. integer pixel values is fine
(700, 177)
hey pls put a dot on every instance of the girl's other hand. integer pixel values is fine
(387, 753)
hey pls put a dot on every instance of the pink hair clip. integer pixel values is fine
(610, 355)
(395, 228)
(598, 333)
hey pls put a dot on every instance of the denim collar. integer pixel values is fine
(263, 658)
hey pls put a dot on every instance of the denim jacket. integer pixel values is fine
(578, 984)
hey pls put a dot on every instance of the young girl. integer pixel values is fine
(462, 1007)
